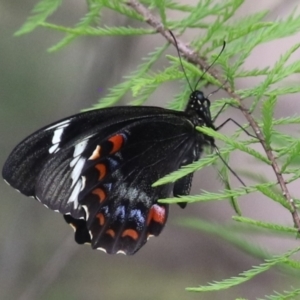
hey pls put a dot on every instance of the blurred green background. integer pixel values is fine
(38, 257)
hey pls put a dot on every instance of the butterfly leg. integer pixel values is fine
(237, 124)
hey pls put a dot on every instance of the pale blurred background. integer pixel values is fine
(38, 258)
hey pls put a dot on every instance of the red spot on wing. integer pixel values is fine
(117, 141)
(101, 219)
(100, 193)
(102, 170)
(111, 233)
(131, 233)
(157, 214)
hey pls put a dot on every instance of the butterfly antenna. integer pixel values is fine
(229, 168)
(219, 88)
(180, 59)
(224, 44)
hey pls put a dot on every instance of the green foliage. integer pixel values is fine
(267, 117)
(242, 35)
(228, 233)
(41, 12)
(287, 295)
(161, 5)
(270, 226)
(245, 276)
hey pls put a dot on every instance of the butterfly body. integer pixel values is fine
(97, 168)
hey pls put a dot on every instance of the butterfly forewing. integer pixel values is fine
(26, 160)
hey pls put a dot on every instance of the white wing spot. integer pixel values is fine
(74, 161)
(79, 148)
(102, 249)
(53, 148)
(77, 170)
(6, 182)
(83, 181)
(87, 215)
(74, 196)
(57, 135)
(60, 127)
(150, 236)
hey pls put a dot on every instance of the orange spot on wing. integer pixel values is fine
(102, 170)
(157, 214)
(100, 193)
(95, 154)
(117, 141)
(101, 219)
(111, 233)
(131, 233)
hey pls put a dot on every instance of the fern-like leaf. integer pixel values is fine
(40, 13)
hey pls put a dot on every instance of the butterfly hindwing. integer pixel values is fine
(183, 185)
(121, 206)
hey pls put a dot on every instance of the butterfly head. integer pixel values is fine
(200, 105)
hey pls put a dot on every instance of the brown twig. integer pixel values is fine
(194, 58)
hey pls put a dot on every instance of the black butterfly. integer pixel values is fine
(97, 169)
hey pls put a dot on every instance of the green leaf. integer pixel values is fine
(160, 4)
(271, 226)
(185, 170)
(226, 233)
(235, 144)
(274, 74)
(293, 154)
(223, 173)
(246, 275)
(209, 196)
(287, 295)
(42, 10)
(168, 74)
(267, 114)
(117, 92)
(92, 15)
(122, 8)
(276, 197)
(99, 31)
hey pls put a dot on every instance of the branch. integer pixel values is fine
(194, 58)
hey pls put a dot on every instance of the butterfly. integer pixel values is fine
(97, 169)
